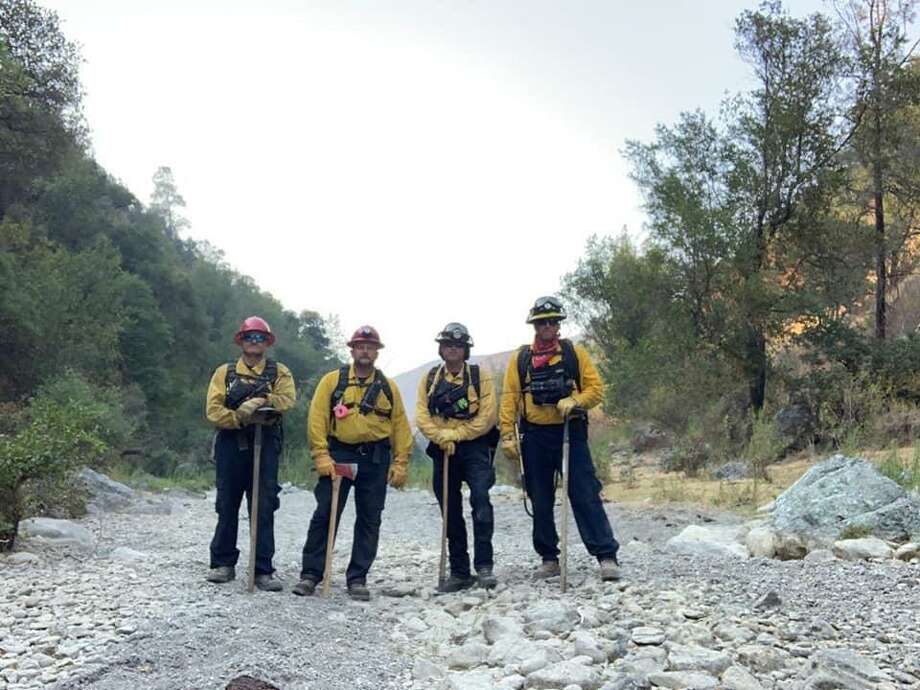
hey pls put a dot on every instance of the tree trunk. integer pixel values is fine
(881, 264)
(757, 367)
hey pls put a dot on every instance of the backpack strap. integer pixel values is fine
(384, 385)
(570, 362)
(339, 392)
(475, 378)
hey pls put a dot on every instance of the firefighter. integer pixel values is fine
(237, 390)
(546, 383)
(456, 410)
(356, 418)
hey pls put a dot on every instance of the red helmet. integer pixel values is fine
(365, 334)
(254, 324)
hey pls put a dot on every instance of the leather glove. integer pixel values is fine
(448, 447)
(510, 447)
(398, 474)
(245, 411)
(325, 466)
(566, 405)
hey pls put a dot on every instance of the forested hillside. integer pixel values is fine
(110, 321)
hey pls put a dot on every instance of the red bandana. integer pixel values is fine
(541, 354)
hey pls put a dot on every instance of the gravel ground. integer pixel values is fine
(144, 617)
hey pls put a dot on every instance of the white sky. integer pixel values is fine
(406, 163)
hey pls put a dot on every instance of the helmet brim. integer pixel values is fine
(551, 315)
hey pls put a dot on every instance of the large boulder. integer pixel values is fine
(105, 494)
(57, 532)
(839, 493)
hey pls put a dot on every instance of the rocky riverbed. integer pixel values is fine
(128, 607)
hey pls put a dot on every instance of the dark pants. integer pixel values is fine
(542, 449)
(370, 486)
(234, 479)
(471, 464)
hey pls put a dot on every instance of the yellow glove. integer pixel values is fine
(325, 466)
(448, 447)
(448, 435)
(245, 411)
(566, 405)
(510, 447)
(397, 475)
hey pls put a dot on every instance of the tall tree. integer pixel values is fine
(875, 38)
(167, 202)
(730, 203)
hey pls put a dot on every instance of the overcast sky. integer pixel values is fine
(402, 164)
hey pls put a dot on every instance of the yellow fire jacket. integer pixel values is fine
(282, 397)
(484, 407)
(357, 427)
(590, 392)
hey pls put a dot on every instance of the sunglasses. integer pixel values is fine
(546, 322)
(255, 337)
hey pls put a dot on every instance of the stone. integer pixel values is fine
(468, 655)
(820, 556)
(471, 680)
(647, 635)
(105, 494)
(732, 471)
(123, 553)
(715, 540)
(19, 558)
(845, 492)
(513, 682)
(906, 552)
(795, 424)
(844, 669)
(496, 627)
(588, 645)
(57, 532)
(692, 658)
(733, 633)
(555, 617)
(862, 549)
(738, 678)
(761, 541)
(564, 673)
(761, 658)
(681, 680)
(770, 600)
(648, 438)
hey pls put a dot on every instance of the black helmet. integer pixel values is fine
(546, 308)
(456, 333)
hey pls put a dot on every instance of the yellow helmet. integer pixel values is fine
(546, 308)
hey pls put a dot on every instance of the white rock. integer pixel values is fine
(862, 549)
(692, 658)
(761, 658)
(647, 635)
(471, 680)
(20, 558)
(761, 541)
(565, 673)
(588, 645)
(123, 553)
(496, 627)
(906, 552)
(682, 680)
(469, 655)
(551, 616)
(57, 532)
(721, 541)
(738, 678)
(820, 556)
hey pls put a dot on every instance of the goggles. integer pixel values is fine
(254, 337)
(546, 322)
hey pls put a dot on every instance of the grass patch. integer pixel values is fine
(855, 532)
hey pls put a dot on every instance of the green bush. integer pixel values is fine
(765, 446)
(68, 424)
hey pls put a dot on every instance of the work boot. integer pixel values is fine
(454, 583)
(358, 591)
(305, 587)
(547, 569)
(221, 574)
(610, 569)
(486, 579)
(267, 583)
